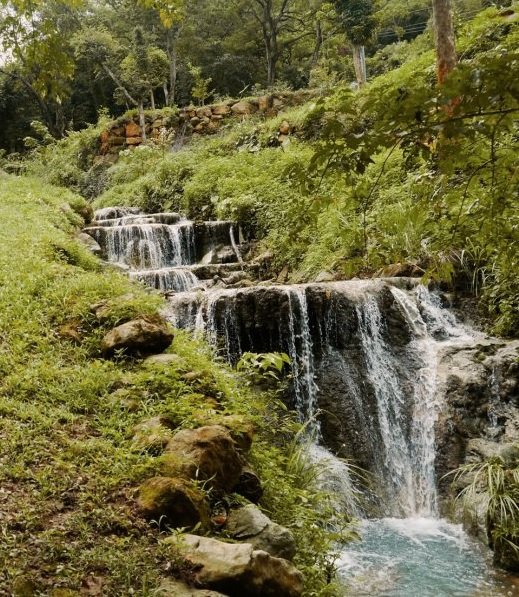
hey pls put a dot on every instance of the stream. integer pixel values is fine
(365, 353)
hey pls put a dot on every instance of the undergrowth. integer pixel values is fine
(69, 469)
(338, 194)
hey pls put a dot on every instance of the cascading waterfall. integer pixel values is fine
(177, 279)
(392, 416)
(364, 368)
(147, 246)
(157, 248)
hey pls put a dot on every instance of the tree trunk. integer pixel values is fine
(359, 63)
(152, 100)
(166, 94)
(445, 40)
(142, 121)
(318, 43)
(171, 51)
(271, 64)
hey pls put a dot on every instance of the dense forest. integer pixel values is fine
(323, 197)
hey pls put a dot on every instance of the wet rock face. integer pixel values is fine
(481, 389)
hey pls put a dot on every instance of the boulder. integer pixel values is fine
(249, 485)
(208, 454)
(138, 337)
(284, 128)
(265, 103)
(90, 243)
(221, 110)
(174, 499)
(237, 569)
(134, 140)
(249, 524)
(204, 112)
(154, 434)
(132, 130)
(243, 108)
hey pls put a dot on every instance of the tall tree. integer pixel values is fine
(34, 35)
(445, 39)
(282, 23)
(359, 24)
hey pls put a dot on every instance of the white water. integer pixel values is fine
(409, 552)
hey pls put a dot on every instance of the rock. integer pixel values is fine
(154, 434)
(243, 108)
(241, 430)
(90, 243)
(324, 277)
(176, 588)
(208, 454)
(237, 569)
(166, 360)
(249, 485)
(284, 129)
(137, 337)
(132, 130)
(134, 140)
(221, 110)
(251, 525)
(265, 103)
(204, 112)
(400, 270)
(174, 499)
(283, 275)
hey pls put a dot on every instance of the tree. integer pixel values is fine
(172, 13)
(143, 69)
(359, 24)
(283, 23)
(41, 61)
(445, 40)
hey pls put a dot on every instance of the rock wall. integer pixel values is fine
(203, 120)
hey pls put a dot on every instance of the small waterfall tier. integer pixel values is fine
(168, 252)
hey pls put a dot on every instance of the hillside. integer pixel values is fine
(71, 462)
(357, 207)
(259, 303)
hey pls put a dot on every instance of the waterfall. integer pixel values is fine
(392, 409)
(178, 279)
(147, 246)
(364, 356)
(300, 350)
(235, 246)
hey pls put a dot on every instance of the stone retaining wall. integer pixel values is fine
(204, 120)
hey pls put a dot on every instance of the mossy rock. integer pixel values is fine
(175, 499)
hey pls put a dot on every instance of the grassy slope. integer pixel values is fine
(68, 470)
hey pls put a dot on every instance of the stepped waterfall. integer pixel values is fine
(365, 357)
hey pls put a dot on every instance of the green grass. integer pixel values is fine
(68, 468)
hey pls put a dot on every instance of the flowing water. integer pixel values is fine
(387, 385)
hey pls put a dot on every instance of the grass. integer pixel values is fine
(68, 468)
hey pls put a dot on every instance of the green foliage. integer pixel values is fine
(200, 89)
(357, 18)
(68, 462)
(494, 491)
